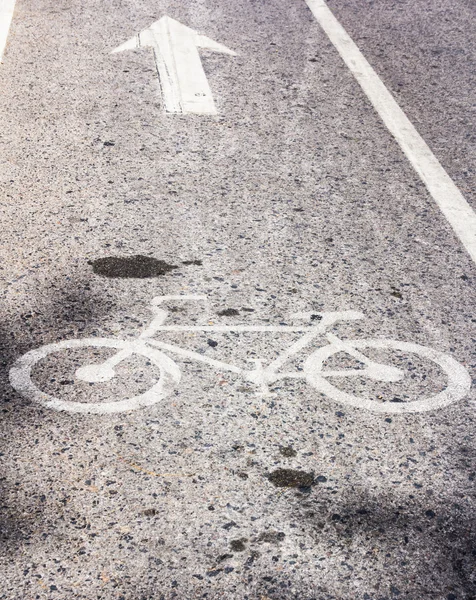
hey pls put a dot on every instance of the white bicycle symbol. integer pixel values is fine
(458, 379)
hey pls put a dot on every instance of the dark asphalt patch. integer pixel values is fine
(229, 312)
(291, 478)
(271, 537)
(197, 262)
(287, 451)
(238, 545)
(138, 266)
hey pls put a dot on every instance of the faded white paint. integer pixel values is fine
(20, 376)
(6, 15)
(458, 378)
(183, 81)
(451, 202)
(314, 372)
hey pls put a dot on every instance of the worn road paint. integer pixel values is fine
(183, 81)
(452, 204)
(314, 372)
(6, 14)
(20, 376)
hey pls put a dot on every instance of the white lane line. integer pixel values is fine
(452, 204)
(6, 15)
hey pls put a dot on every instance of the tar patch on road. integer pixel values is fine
(271, 537)
(238, 545)
(291, 478)
(197, 262)
(138, 266)
(287, 451)
(229, 312)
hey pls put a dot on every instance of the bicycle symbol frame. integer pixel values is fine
(458, 378)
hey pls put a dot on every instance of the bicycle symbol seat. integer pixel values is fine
(458, 381)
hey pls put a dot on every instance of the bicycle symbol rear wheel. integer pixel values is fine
(21, 380)
(458, 378)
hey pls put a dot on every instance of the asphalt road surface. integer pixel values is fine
(269, 392)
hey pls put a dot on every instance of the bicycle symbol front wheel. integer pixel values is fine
(21, 377)
(458, 378)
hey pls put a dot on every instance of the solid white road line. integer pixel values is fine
(6, 14)
(452, 204)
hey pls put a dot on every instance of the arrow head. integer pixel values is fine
(129, 45)
(205, 42)
(170, 28)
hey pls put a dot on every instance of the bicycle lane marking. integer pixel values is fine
(441, 187)
(6, 14)
(458, 379)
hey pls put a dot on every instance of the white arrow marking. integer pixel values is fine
(452, 204)
(6, 15)
(182, 78)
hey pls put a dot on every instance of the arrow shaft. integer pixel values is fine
(166, 69)
(183, 81)
(6, 15)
